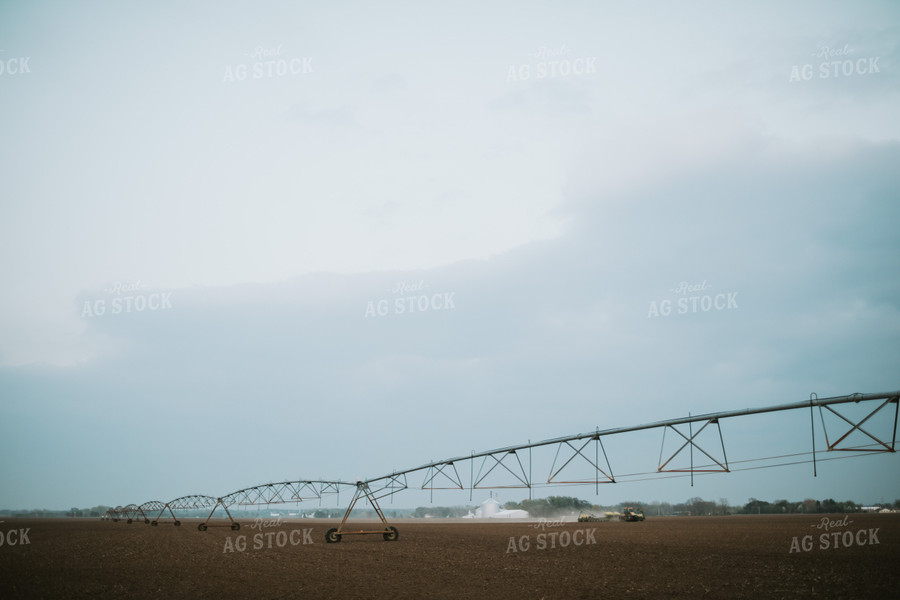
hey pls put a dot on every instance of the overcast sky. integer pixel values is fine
(252, 242)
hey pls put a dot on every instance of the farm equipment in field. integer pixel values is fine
(607, 516)
(629, 514)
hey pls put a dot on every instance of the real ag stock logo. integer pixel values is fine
(126, 298)
(692, 298)
(552, 540)
(14, 537)
(835, 536)
(836, 62)
(552, 63)
(13, 65)
(408, 298)
(270, 539)
(267, 63)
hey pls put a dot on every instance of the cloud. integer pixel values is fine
(530, 231)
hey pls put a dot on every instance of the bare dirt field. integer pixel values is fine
(685, 557)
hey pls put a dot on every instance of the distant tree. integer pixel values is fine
(682, 508)
(829, 505)
(723, 506)
(568, 503)
(702, 507)
(442, 512)
(758, 507)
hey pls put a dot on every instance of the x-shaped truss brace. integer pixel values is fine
(883, 446)
(689, 441)
(454, 482)
(608, 477)
(390, 485)
(523, 478)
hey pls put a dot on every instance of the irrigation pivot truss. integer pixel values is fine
(273, 493)
(190, 502)
(511, 460)
(511, 466)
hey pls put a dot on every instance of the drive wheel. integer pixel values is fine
(202, 526)
(332, 536)
(235, 526)
(177, 523)
(391, 534)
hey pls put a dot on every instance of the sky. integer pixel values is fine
(245, 243)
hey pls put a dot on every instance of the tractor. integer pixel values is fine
(629, 514)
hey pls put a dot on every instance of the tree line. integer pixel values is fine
(553, 506)
(696, 506)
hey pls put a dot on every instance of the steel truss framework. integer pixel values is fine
(191, 502)
(128, 513)
(389, 532)
(510, 464)
(271, 493)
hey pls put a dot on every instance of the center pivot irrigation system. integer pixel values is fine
(510, 463)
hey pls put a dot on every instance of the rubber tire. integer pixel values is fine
(154, 523)
(202, 526)
(332, 536)
(129, 521)
(235, 526)
(177, 523)
(391, 535)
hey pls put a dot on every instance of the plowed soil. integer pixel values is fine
(676, 557)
